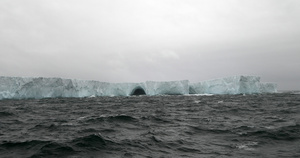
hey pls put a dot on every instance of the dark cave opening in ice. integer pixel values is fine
(138, 91)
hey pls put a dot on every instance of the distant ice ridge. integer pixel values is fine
(19, 87)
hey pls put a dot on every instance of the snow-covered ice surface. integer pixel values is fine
(30, 87)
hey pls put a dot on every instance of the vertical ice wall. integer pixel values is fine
(18, 87)
(124, 89)
(248, 84)
(9, 85)
(170, 87)
(233, 85)
(268, 88)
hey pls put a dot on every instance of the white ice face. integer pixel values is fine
(170, 88)
(18, 87)
(233, 85)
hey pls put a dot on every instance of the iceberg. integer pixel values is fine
(171, 87)
(20, 88)
(233, 85)
(40, 87)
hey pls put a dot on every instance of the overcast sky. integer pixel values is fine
(161, 40)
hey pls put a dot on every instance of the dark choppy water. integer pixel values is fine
(161, 126)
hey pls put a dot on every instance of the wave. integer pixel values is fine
(54, 149)
(5, 114)
(198, 129)
(51, 127)
(26, 144)
(155, 119)
(112, 118)
(93, 142)
(189, 150)
(38, 148)
(26, 149)
(284, 133)
(243, 127)
(250, 146)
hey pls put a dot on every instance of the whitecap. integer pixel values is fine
(247, 146)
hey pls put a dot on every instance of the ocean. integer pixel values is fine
(258, 125)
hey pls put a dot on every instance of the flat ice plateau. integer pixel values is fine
(33, 87)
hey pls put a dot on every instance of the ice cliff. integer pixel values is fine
(20, 87)
(233, 85)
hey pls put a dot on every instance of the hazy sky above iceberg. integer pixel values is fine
(139, 40)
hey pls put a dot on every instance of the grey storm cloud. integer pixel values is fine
(135, 40)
